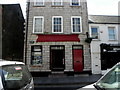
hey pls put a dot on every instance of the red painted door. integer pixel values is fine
(78, 60)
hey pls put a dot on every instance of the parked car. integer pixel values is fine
(15, 76)
(109, 81)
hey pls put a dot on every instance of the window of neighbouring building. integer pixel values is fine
(57, 2)
(38, 24)
(36, 55)
(57, 24)
(111, 33)
(94, 32)
(76, 24)
(38, 2)
(75, 2)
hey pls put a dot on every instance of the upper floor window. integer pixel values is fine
(94, 32)
(57, 2)
(76, 24)
(111, 33)
(38, 2)
(38, 24)
(57, 24)
(75, 2)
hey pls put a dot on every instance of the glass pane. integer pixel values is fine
(111, 32)
(38, 25)
(75, 2)
(111, 81)
(77, 20)
(112, 37)
(39, 2)
(16, 76)
(76, 24)
(36, 55)
(94, 30)
(57, 24)
(57, 2)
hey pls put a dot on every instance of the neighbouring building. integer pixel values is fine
(55, 36)
(11, 32)
(105, 49)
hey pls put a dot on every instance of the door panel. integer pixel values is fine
(57, 58)
(78, 60)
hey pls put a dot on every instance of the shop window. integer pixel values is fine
(36, 55)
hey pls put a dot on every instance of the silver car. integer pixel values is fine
(15, 76)
(110, 81)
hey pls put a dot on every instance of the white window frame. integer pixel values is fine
(114, 32)
(53, 24)
(57, 5)
(74, 5)
(72, 24)
(97, 32)
(38, 4)
(34, 23)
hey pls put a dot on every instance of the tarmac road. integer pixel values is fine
(64, 83)
(57, 87)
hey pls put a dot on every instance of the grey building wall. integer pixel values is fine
(119, 22)
(0, 31)
(66, 11)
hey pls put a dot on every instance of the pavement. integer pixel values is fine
(66, 80)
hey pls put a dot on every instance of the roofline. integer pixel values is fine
(102, 23)
(105, 15)
(5, 62)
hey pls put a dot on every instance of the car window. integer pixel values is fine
(16, 76)
(111, 79)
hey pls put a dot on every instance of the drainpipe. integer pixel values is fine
(26, 31)
(1, 25)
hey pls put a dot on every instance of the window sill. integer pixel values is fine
(36, 65)
(113, 40)
(57, 32)
(76, 32)
(39, 5)
(57, 6)
(96, 40)
(75, 6)
(38, 33)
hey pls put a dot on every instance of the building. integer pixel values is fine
(0, 31)
(11, 30)
(104, 46)
(55, 36)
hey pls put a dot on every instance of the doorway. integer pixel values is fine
(78, 58)
(57, 56)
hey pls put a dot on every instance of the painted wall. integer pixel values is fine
(95, 44)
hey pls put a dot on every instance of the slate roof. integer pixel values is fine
(102, 19)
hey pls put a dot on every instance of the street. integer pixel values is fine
(69, 87)
(64, 83)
